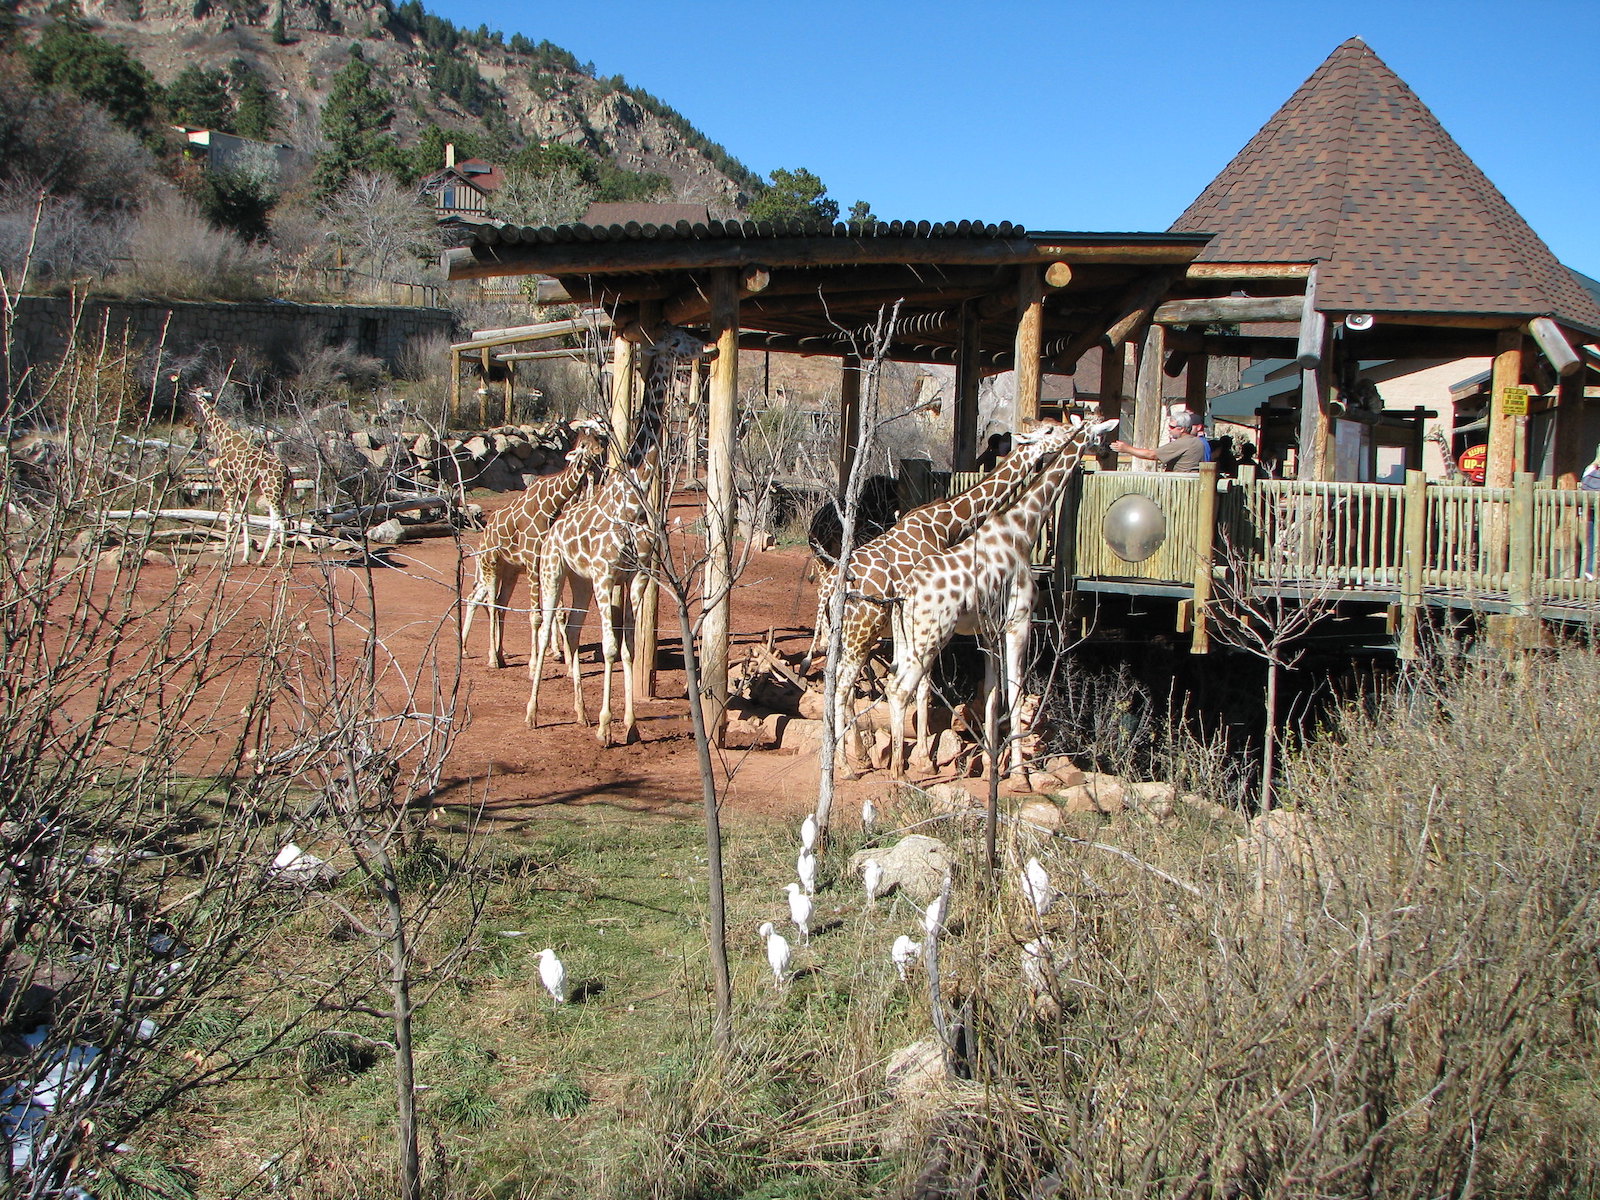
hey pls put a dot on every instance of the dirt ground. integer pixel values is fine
(520, 774)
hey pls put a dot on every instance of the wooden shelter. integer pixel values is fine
(984, 297)
(1417, 255)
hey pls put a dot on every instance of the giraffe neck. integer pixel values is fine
(998, 489)
(645, 452)
(1039, 498)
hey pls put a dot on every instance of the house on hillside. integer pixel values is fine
(218, 151)
(1424, 277)
(462, 189)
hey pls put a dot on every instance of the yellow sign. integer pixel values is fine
(1514, 401)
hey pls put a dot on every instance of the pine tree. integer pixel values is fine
(354, 121)
(200, 97)
(280, 26)
(70, 57)
(795, 196)
(258, 112)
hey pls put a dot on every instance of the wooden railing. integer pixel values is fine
(1526, 549)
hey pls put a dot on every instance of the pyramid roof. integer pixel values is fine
(1355, 173)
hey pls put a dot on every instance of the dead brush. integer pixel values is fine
(1391, 993)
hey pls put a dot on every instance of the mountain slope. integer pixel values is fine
(458, 80)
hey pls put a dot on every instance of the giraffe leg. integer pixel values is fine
(477, 598)
(501, 583)
(844, 718)
(549, 590)
(610, 622)
(583, 591)
(630, 611)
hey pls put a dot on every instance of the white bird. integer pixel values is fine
(872, 878)
(869, 815)
(1036, 886)
(800, 910)
(933, 918)
(553, 975)
(905, 952)
(777, 953)
(808, 832)
(806, 866)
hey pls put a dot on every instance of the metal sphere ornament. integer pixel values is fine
(1134, 527)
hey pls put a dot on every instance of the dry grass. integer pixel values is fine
(1395, 996)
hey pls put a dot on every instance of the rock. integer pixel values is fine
(878, 755)
(478, 447)
(1064, 769)
(1154, 799)
(917, 863)
(1283, 848)
(811, 704)
(1041, 812)
(502, 444)
(949, 797)
(947, 748)
(915, 1070)
(425, 447)
(1097, 794)
(362, 439)
(801, 735)
(389, 533)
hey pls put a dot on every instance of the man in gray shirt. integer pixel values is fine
(1184, 449)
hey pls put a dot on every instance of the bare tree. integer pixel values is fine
(552, 197)
(381, 226)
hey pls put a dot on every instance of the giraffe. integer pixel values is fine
(877, 567)
(599, 544)
(965, 589)
(1452, 472)
(513, 535)
(246, 468)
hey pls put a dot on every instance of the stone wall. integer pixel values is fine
(277, 330)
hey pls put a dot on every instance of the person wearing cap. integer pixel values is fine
(1184, 449)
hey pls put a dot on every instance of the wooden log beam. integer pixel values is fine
(721, 423)
(1243, 272)
(849, 416)
(1313, 328)
(1148, 423)
(623, 364)
(1029, 339)
(573, 258)
(1133, 308)
(693, 305)
(1503, 427)
(1058, 275)
(1315, 455)
(964, 456)
(516, 356)
(490, 338)
(1233, 310)
(1554, 346)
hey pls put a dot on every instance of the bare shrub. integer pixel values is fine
(323, 373)
(176, 253)
(57, 239)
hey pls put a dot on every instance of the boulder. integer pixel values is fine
(801, 735)
(478, 447)
(389, 533)
(947, 748)
(1045, 813)
(1096, 794)
(1064, 769)
(916, 863)
(915, 1070)
(1155, 799)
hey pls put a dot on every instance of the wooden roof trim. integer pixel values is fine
(574, 258)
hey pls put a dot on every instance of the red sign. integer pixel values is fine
(1474, 462)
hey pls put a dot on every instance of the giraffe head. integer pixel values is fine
(588, 449)
(680, 343)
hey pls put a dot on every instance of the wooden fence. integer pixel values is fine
(1526, 550)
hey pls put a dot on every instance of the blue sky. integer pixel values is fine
(1089, 116)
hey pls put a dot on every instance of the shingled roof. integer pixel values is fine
(1356, 173)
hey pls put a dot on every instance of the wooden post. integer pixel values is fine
(1030, 328)
(455, 388)
(1148, 422)
(849, 417)
(964, 456)
(1520, 556)
(1315, 443)
(511, 384)
(1205, 541)
(1112, 362)
(720, 427)
(1571, 455)
(622, 367)
(1503, 431)
(1194, 383)
(484, 360)
(1413, 560)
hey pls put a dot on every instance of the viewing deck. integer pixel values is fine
(1524, 550)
